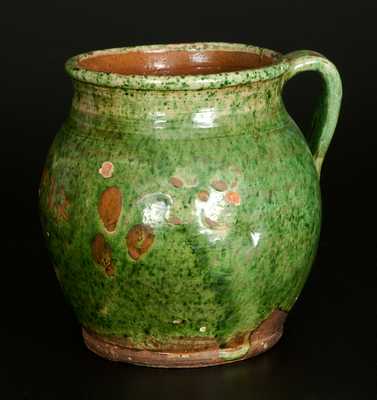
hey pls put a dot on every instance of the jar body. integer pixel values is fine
(181, 221)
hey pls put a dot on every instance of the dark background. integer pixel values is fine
(328, 350)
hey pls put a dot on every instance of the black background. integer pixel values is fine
(328, 350)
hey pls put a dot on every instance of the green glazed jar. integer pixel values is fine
(180, 202)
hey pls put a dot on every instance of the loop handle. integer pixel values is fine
(327, 111)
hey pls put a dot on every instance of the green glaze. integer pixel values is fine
(214, 268)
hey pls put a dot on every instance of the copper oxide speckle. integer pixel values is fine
(219, 185)
(233, 198)
(176, 182)
(203, 195)
(102, 254)
(107, 169)
(109, 207)
(139, 239)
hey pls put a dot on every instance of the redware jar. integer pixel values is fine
(181, 203)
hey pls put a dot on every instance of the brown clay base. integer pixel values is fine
(191, 353)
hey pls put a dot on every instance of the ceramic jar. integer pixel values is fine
(181, 203)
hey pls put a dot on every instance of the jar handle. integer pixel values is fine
(327, 111)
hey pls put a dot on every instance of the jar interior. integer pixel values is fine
(175, 62)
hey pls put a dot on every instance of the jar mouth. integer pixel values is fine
(187, 66)
(175, 62)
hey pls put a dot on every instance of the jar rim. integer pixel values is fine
(271, 65)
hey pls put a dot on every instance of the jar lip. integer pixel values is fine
(188, 81)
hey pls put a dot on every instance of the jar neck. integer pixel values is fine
(176, 114)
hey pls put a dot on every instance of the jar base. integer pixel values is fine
(181, 356)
